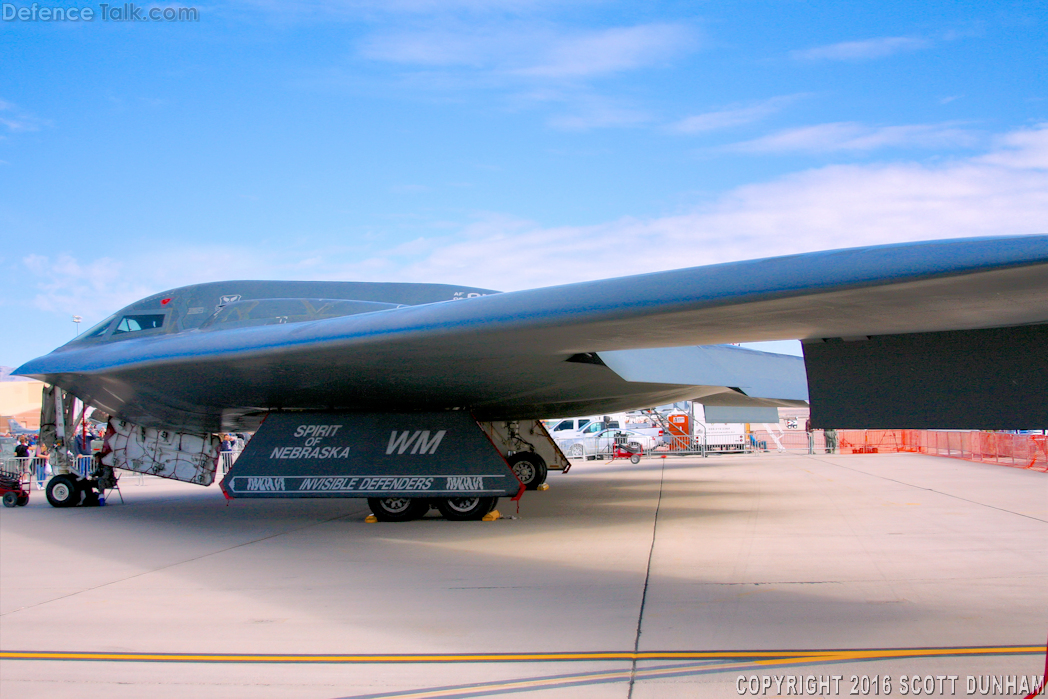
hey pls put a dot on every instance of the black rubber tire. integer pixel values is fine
(398, 509)
(10, 499)
(635, 459)
(62, 491)
(23, 499)
(466, 509)
(530, 468)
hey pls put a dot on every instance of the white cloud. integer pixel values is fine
(14, 119)
(1027, 148)
(431, 48)
(852, 136)
(530, 51)
(353, 9)
(734, 116)
(89, 288)
(1001, 192)
(593, 112)
(534, 64)
(609, 51)
(862, 50)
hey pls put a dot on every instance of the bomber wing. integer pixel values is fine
(538, 352)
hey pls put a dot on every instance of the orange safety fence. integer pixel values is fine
(1028, 451)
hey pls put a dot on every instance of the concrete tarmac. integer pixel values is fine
(731, 566)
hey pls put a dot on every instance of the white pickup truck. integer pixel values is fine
(575, 434)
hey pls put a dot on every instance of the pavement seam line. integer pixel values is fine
(931, 490)
(647, 579)
(172, 565)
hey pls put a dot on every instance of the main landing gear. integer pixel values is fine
(67, 490)
(530, 468)
(461, 509)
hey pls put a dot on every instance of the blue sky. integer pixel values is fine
(500, 144)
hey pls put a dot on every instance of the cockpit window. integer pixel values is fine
(99, 330)
(261, 312)
(139, 322)
(242, 314)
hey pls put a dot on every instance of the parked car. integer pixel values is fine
(599, 442)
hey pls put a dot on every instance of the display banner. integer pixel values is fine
(354, 455)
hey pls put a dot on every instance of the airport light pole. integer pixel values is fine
(77, 319)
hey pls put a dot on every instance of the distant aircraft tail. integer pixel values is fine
(15, 427)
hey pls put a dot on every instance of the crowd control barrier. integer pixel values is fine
(1027, 451)
(227, 459)
(34, 471)
(786, 441)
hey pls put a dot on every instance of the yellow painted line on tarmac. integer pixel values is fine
(889, 653)
(758, 657)
(407, 658)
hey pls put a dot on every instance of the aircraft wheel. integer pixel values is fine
(465, 509)
(530, 469)
(10, 499)
(398, 509)
(62, 491)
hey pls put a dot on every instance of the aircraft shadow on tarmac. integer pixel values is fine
(570, 571)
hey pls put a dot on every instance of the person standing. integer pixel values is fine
(831, 441)
(41, 463)
(22, 454)
(83, 442)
